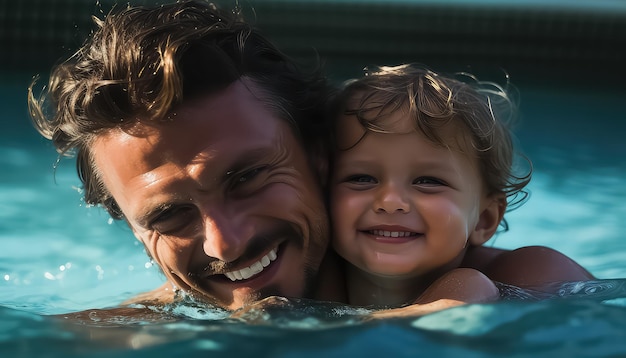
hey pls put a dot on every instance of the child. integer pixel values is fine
(421, 176)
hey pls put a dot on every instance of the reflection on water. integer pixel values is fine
(548, 328)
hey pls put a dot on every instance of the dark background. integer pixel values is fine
(582, 44)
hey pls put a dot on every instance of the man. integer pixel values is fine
(194, 129)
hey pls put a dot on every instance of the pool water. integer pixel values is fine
(60, 256)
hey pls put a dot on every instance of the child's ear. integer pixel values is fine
(489, 220)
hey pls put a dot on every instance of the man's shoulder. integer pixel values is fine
(159, 296)
(137, 309)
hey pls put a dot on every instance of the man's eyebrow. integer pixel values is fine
(248, 159)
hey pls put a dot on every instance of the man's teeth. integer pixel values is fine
(255, 268)
(392, 233)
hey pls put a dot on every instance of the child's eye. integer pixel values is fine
(428, 181)
(361, 179)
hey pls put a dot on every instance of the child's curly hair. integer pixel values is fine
(485, 109)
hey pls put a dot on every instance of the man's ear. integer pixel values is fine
(489, 219)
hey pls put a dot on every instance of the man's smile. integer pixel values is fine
(254, 269)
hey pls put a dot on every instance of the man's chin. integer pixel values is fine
(246, 296)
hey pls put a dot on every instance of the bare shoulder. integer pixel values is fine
(534, 267)
(160, 296)
(457, 287)
(137, 309)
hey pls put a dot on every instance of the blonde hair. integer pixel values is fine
(434, 101)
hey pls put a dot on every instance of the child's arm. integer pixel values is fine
(457, 287)
(532, 267)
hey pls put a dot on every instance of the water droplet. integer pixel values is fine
(100, 272)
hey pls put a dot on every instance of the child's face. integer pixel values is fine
(402, 206)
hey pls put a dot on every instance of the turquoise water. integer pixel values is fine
(59, 256)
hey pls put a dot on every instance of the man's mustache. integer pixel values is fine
(257, 246)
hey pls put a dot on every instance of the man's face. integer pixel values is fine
(223, 198)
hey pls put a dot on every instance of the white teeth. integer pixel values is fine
(392, 233)
(246, 273)
(255, 268)
(265, 261)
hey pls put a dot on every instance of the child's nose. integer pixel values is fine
(391, 199)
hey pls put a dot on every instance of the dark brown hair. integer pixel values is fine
(142, 62)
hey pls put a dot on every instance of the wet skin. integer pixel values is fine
(223, 197)
(405, 210)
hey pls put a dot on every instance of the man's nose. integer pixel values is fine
(392, 198)
(225, 237)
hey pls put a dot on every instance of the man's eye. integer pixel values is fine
(428, 181)
(249, 180)
(249, 175)
(174, 219)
